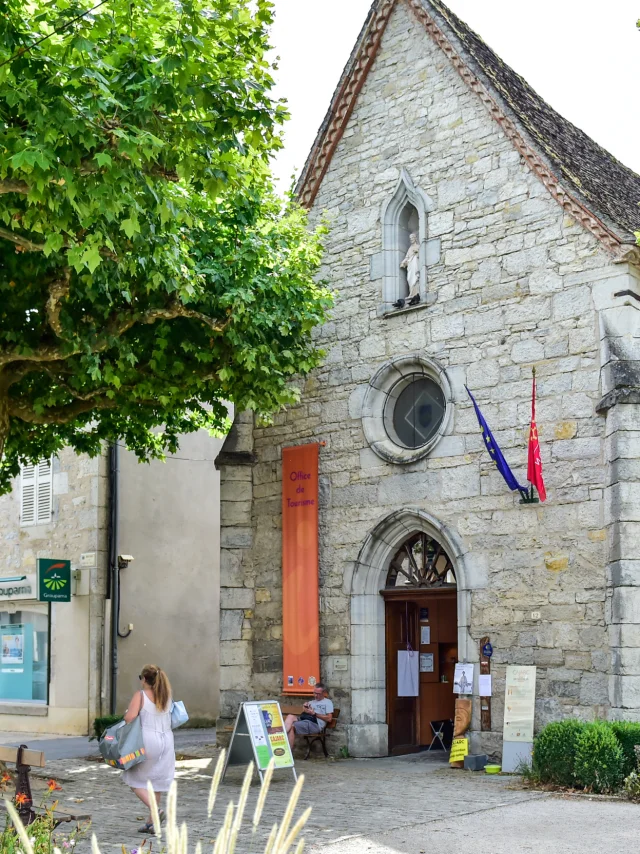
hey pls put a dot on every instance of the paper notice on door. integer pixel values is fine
(426, 662)
(408, 673)
(425, 635)
(484, 684)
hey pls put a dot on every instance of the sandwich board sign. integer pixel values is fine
(259, 735)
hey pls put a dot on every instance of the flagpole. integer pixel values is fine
(530, 497)
(533, 412)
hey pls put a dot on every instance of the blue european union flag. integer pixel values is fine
(494, 451)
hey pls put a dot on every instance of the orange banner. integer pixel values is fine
(300, 602)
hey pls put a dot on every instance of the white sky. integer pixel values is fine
(583, 58)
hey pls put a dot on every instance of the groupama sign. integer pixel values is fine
(54, 580)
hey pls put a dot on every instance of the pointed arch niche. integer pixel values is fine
(405, 213)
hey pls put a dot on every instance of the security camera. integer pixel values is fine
(124, 561)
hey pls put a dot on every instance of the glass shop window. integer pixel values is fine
(24, 653)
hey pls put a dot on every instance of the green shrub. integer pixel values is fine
(103, 723)
(632, 786)
(628, 735)
(599, 759)
(554, 752)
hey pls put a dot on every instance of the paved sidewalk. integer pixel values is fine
(410, 804)
(79, 747)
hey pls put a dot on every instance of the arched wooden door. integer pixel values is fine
(421, 630)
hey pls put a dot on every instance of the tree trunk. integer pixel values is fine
(4, 421)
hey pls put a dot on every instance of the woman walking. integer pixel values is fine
(153, 704)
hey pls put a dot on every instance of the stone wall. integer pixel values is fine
(512, 285)
(620, 342)
(78, 526)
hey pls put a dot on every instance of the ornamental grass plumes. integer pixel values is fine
(284, 838)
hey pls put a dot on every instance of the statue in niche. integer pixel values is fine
(411, 264)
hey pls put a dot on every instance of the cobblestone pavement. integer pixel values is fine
(410, 804)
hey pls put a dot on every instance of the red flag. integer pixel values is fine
(534, 469)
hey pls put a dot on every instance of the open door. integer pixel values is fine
(421, 611)
(402, 716)
(428, 623)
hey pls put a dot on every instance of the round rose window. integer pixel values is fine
(414, 411)
(407, 408)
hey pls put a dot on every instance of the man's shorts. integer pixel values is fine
(306, 728)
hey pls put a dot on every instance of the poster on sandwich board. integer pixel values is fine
(259, 735)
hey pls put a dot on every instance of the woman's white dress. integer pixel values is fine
(159, 767)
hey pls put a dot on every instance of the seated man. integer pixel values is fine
(321, 706)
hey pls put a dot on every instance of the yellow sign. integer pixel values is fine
(276, 735)
(459, 749)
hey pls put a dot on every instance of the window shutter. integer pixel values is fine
(44, 492)
(28, 495)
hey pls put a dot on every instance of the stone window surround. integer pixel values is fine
(386, 265)
(381, 386)
(368, 731)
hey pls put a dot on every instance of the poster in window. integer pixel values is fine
(12, 638)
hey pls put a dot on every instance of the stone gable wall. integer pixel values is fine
(512, 282)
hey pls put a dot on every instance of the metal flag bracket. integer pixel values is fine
(528, 496)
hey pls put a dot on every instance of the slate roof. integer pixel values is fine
(608, 187)
(594, 178)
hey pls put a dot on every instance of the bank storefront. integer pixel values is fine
(24, 642)
(47, 682)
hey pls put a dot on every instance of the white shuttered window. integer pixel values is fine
(36, 482)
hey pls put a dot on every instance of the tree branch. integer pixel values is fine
(115, 328)
(19, 370)
(25, 245)
(58, 414)
(58, 290)
(21, 242)
(8, 186)
(175, 309)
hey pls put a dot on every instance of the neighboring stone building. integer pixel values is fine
(525, 228)
(59, 673)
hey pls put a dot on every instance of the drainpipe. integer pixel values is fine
(116, 563)
(114, 574)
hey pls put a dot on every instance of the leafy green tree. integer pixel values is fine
(148, 272)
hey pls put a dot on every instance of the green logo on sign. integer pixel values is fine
(54, 580)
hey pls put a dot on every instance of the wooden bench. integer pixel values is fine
(24, 759)
(320, 736)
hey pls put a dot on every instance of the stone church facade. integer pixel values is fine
(526, 258)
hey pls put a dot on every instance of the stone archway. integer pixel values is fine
(367, 733)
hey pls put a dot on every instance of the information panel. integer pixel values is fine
(259, 735)
(519, 703)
